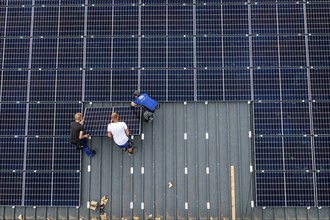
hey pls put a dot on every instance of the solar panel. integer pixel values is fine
(96, 119)
(42, 86)
(321, 120)
(46, 19)
(323, 190)
(44, 53)
(319, 84)
(38, 189)
(11, 188)
(322, 153)
(14, 86)
(66, 189)
(50, 154)
(283, 153)
(16, 53)
(285, 189)
(12, 119)
(288, 118)
(12, 150)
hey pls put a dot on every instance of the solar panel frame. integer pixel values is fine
(96, 119)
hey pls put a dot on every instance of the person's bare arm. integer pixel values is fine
(133, 104)
(109, 134)
(127, 131)
(82, 135)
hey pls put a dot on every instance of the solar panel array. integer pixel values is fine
(272, 51)
(96, 119)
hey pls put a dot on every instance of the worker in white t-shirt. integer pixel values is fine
(119, 131)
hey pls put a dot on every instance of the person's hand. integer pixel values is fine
(87, 135)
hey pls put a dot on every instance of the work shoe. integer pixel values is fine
(94, 152)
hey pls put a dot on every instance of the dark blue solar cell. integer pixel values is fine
(41, 119)
(323, 189)
(320, 82)
(210, 85)
(16, 53)
(44, 53)
(42, 86)
(63, 117)
(209, 52)
(264, 19)
(267, 118)
(124, 2)
(236, 51)
(14, 86)
(237, 84)
(292, 51)
(265, 51)
(38, 189)
(124, 82)
(299, 189)
(322, 153)
(154, 83)
(39, 154)
(66, 157)
(131, 116)
(180, 85)
(3, 12)
(153, 52)
(291, 18)
(270, 189)
(266, 84)
(18, 21)
(70, 53)
(297, 153)
(318, 17)
(125, 20)
(294, 84)
(99, 21)
(12, 119)
(12, 150)
(180, 52)
(99, 52)
(319, 51)
(53, 2)
(98, 85)
(153, 20)
(69, 86)
(72, 21)
(11, 188)
(46, 20)
(66, 189)
(295, 118)
(321, 119)
(125, 52)
(19, 2)
(235, 19)
(180, 20)
(208, 19)
(269, 153)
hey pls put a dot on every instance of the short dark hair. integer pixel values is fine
(136, 93)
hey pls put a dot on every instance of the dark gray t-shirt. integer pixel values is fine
(76, 128)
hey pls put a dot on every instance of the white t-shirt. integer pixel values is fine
(118, 132)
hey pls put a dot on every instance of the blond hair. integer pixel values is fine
(77, 116)
(114, 116)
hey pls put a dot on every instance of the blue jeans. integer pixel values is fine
(86, 148)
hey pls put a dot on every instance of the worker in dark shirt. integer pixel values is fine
(148, 104)
(78, 138)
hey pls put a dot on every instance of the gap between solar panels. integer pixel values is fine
(96, 119)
